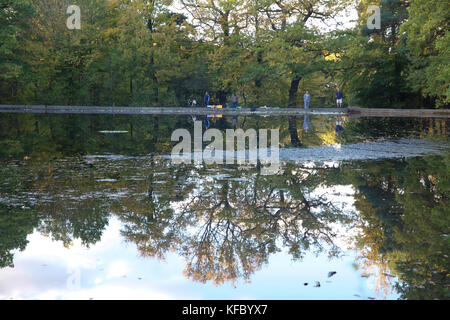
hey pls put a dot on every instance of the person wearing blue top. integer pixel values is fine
(307, 99)
(206, 99)
(339, 96)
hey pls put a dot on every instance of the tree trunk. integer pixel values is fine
(295, 140)
(259, 77)
(152, 65)
(293, 92)
(222, 96)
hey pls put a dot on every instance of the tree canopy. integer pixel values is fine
(156, 53)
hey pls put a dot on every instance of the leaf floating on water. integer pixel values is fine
(317, 285)
(305, 284)
(331, 273)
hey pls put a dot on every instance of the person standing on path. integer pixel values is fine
(234, 100)
(339, 96)
(206, 99)
(307, 99)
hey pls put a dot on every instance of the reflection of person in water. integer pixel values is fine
(207, 123)
(339, 128)
(234, 122)
(306, 123)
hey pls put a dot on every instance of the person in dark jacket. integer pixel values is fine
(234, 100)
(339, 96)
(206, 99)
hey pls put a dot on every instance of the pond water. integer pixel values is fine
(92, 207)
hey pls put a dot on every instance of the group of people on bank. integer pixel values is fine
(207, 98)
(235, 100)
(339, 97)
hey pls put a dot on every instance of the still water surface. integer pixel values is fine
(91, 207)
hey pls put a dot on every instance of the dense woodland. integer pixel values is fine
(160, 53)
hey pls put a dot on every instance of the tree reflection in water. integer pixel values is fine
(226, 228)
(227, 221)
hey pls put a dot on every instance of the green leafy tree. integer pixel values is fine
(428, 41)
